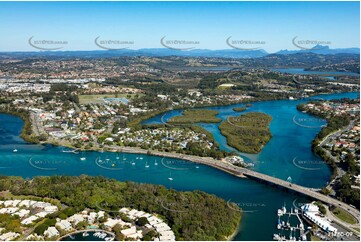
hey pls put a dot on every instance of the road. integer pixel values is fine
(244, 172)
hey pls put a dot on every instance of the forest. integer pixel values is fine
(192, 215)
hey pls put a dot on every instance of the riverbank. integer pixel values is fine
(26, 132)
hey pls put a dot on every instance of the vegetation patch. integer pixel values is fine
(247, 133)
(183, 211)
(240, 109)
(196, 116)
(344, 216)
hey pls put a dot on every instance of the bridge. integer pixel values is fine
(247, 173)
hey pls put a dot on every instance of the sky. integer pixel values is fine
(207, 25)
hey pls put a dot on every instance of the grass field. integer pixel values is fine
(97, 98)
(343, 215)
(196, 116)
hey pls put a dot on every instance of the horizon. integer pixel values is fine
(270, 26)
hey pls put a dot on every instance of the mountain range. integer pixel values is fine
(227, 53)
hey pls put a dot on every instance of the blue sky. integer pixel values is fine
(209, 23)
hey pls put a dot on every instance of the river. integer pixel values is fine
(258, 201)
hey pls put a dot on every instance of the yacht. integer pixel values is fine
(82, 158)
(15, 150)
(85, 234)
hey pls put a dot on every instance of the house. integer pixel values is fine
(130, 231)
(29, 220)
(51, 232)
(76, 218)
(51, 209)
(64, 225)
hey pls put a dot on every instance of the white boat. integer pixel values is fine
(133, 163)
(108, 238)
(82, 158)
(117, 158)
(146, 165)
(70, 151)
(15, 150)
(155, 163)
(85, 234)
(197, 167)
(141, 158)
(170, 176)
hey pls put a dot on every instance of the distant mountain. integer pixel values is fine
(231, 53)
(228, 53)
(322, 49)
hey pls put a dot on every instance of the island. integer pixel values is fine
(196, 116)
(239, 109)
(247, 133)
(67, 204)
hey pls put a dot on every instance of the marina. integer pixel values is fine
(89, 235)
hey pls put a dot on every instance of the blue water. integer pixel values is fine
(258, 201)
(290, 144)
(302, 71)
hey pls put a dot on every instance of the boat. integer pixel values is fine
(70, 151)
(85, 234)
(146, 165)
(82, 158)
(107, 159)
(117, 158)
(170, 177)
(155, 163)
(197, 167)
(15, 150)
(133, 163)
(108, 238)
(141, 158)
(276, 237)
